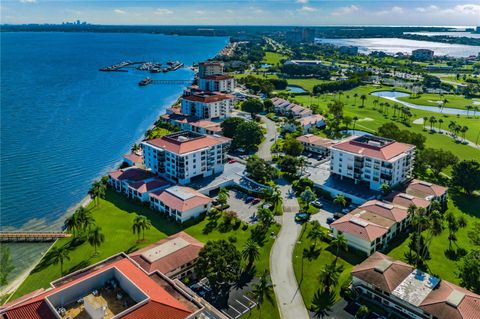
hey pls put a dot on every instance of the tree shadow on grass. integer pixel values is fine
(47, 260)
(467, 205)
(84, 263)
(245, 278)
(351, 257)
(322, 303)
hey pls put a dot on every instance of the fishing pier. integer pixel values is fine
(30, 237)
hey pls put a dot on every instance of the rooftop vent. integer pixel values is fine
(425, 183)
(359, 222)
(407, 196)
(374, 143)
(183, 138)
(382, 265)
(455, 298)
(384, 205)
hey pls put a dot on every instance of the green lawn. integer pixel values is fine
(273, 58)
(371, 119)
(430, 99)
(440, 264)
(115, 215)
(307, 84)
(308, 275)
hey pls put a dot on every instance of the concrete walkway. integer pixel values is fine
(264, 148)
(289, 297)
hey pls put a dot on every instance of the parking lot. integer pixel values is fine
(246, 211)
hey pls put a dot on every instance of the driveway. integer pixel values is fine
(264, 148)
(289, 297)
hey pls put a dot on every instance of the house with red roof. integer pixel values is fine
(371, 226)
(373, 161)
(181, 156)
(410, 292)
(286, 108)
(174, 256)
(117, 287)
(180, 203)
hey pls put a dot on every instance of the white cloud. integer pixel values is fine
(307, 9)
(345, 10)
(229, 11)
(427, 9)
(28, 1)
(392, 10)
(200, 12)
(302, 1)
(119, 11)
(460, 10)
(468, 9)
(163, 11)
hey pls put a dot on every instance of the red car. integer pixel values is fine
(232, 161)
(256, 201)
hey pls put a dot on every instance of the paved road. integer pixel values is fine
(264, 148)
(286, 289)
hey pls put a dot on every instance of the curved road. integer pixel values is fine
(264, 148)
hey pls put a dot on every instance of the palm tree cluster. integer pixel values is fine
(80, 221)
(455, 129)
(140, 224)
(97, 191)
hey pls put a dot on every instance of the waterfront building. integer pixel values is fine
(174, 256)
(133, 159)
(208, 68)
(422, 54)
(207, 105)
(116, 287)
(371, 226)
(411, 292)
(136, 183)
(372, 160)
(182, 156)
(316, 144)
(181, 203)
(217, 83)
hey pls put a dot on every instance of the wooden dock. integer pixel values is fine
(172, 81)
(25, 237)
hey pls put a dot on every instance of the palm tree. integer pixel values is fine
(96, 238)
(316, 233)
(355, 99)
(322, 303)
(432, 121)
(85, 218)
(340, 200)
(58, 255)
(475, 110)
(223, 196)
(97, 190)
(263, 289)
(440, 122)
(363, 97)
(468, 107)
(329, 276)
(425, 119)
(140, 224)
(354, 120)
(464, 130)
(250, 252)
(265, 217)
(72, 224)
(340, 242)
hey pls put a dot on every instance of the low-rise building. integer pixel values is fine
(133, 159)
(310, 122)
(207, 105)
(426, 190)
(174, 256)
(136, 183)
(192, 124)
(422, 54)
(316, 144)
(116, 287)
(181, 156)
(412, 292)
(180, 203)
(371, 226)
(372, 160)
(286, 108)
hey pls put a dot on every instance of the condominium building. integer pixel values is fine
(180, 203)
(372, 160)
(410, 292)
(371, 226)
(188, 123)
(208, 68)
(174, 256)
(207, 105)
(184, 155)
(116, 287)
(217, 83)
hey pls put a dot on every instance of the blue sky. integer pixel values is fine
(245, 12)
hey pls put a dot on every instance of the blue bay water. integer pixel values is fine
(64, 123)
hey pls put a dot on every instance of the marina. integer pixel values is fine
(151, 66)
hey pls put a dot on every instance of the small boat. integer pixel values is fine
(145, 82)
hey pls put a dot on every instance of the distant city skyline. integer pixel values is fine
(247, 12)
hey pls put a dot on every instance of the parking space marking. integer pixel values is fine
(253, 303)
(246, 308)
(226, 314)
(235, 311)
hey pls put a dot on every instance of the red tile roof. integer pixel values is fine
(190, 145)
(423, 189)
(385, 152)
(316, 140)
(436, 303)
(406, 200)
(171, 308)
(134, 158)
(148, 186)
(169, 198)
(359, 227)
(172, 261)
(131, 174)
(387, 210)
(393, 274)
(311, 119)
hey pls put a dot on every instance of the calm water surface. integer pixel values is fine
(394, 45)
(64, 123)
